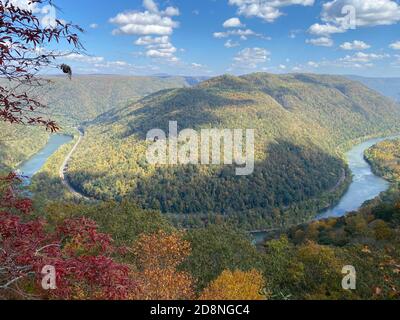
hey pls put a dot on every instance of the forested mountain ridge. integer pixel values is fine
(300, 120)
(389, 87)
(71, 102)
(84, 97)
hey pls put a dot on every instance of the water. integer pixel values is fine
(32, 166)
(365, 185)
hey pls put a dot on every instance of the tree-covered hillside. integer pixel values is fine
(18, 143)
(84, 97)
(71, 102)
(299, 121)
(389, 87)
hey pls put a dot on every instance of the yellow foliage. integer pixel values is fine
(236, 285)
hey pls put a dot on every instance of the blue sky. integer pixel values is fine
(210, 37)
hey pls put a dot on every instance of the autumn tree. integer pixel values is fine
(236, 285)
(158, 257)
(23, 53)
(80, 255)
(219, 248)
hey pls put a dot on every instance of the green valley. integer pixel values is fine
(300, 121)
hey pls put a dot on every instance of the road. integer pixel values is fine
(64, 169)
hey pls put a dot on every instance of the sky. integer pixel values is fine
(212, 37)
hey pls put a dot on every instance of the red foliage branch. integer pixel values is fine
(80, 254)
(22, 56)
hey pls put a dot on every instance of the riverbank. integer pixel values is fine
(365, 185)
(64, 168)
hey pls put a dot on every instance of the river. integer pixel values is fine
(365, 185)
(33, 165)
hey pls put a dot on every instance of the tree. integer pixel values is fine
(80, 255)
(236, 285)
(219, 248)
(23, 38)
(158, 257)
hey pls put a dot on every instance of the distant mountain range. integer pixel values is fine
(389, 87)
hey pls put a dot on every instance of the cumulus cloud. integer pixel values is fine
(231, 44)
(395, 45)
(149, 40)
(90, 64)
(367, 12)
(154, 26)
(251, 58)
(158, 47)
(242, 33)
(233, 23)
(22, 4)
(83, 58)
(268, 10)
(361, 57)
(355, 45)
(313, 64)
(93, 26)
(325, 29)
(151, 21)
(340, 15)
(143, 23)
(322, 42)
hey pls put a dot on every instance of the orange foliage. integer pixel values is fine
(158, 256)
(237, 285)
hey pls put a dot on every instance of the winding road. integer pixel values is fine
(64, 169)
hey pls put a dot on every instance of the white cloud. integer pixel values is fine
(293, 33)
(233, 23)
(355, 45)
(148, 40)
(231, 44)
(151, 21)
(154, 26)
(158, 47)
(395, 45)
(361, 57)
(150, 5)
(251, 58)
(325, 29)
(367, 12)
(268, 10)
(22, 4)
(83, 58)
(341, 15)
(322, 42)
(93, 26)
(143, 23)
(313, 64)
(242, 33)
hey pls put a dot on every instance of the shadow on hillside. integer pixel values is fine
(291, 173)
(4, 150)
(190, 107)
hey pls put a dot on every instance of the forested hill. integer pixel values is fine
(389, 87)
(300, 120)
(71, 102)
(85, 97)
